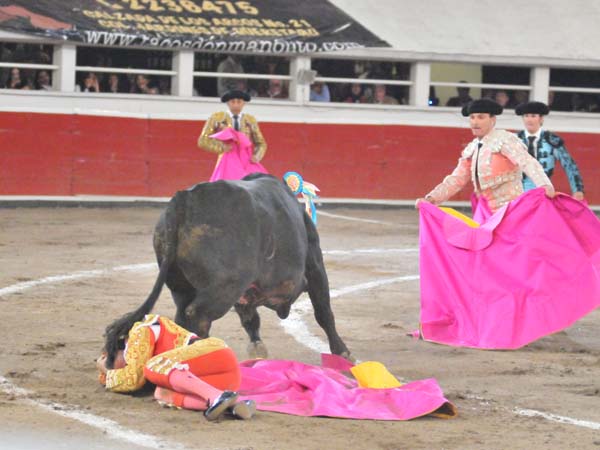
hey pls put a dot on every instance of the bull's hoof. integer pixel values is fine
(257, 350)
(348, 356)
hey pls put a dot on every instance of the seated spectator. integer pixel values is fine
(39, 55)
(272, 66)
(560, 101)
(400, 93)
(116, 84)
(357, 94)
(551, 95)
(231, 64)
(584, 102)
(594, 103)
(487, 93)
(381, 96)
(277, 89)
(15, 81)
(242, 85)
(433, 99)
(462, 98)
(363, 69)
(130, 77)
(502, 98)
(319, 92)
(6, 51)
(267, 66)
(520, 97)
(144, 86)
(42, 81)
(90, 83)
(164, 86)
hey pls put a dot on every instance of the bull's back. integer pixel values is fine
(218, 229)
(284, 237)
(249, 227)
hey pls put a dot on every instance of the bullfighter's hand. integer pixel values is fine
(578, 196)
(550, 193)
(226, 147)
(101, 363)
(419, 201)
(254, 159)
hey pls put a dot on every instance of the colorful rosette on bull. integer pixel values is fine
(304, 188)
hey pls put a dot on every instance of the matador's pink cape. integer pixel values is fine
(530, 269)
(292, 387)
(236, 163)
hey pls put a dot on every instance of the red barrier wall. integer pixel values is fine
(58, 154)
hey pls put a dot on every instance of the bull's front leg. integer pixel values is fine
(251, 322)
(207, 306)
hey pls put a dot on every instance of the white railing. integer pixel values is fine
(121, 70)
(184, 74)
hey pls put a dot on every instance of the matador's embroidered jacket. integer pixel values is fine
(154, 335)
(248, 125)
(549, 148)
(496, 170)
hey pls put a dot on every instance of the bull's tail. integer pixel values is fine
(117, 332)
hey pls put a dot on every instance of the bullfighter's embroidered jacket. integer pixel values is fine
(248, 125)
(153, 336)
(548, 150)
(495, 169)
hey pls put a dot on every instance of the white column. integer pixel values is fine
(183, 81)
(420, 75)
(299, 86)
(63, 78)
(540, 84)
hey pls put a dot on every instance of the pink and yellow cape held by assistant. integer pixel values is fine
(526, 271)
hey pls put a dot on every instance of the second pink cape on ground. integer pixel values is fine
(292, 387)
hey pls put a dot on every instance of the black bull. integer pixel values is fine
(236, 243)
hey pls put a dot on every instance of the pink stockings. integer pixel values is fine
(189, 391)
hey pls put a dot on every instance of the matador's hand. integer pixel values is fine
(419, 201)
(101, 363)
(578, 196)
(550, 193)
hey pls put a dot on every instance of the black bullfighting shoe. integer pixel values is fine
(226, 400)
(243, 410)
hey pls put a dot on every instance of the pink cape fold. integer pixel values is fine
(236, 163)
(531, 269)
(300, 389)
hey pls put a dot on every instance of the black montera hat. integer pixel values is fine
(483, 105)
(532, 108)
(229, 95)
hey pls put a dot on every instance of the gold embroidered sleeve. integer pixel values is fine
(211, 126)
(140, 347)
(260, 145)
(452, 184)
(517, 153)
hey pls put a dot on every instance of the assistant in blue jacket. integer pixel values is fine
(546, 147)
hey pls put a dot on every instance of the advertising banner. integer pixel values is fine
(262, 26)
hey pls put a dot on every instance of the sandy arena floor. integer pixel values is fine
(544, 396)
